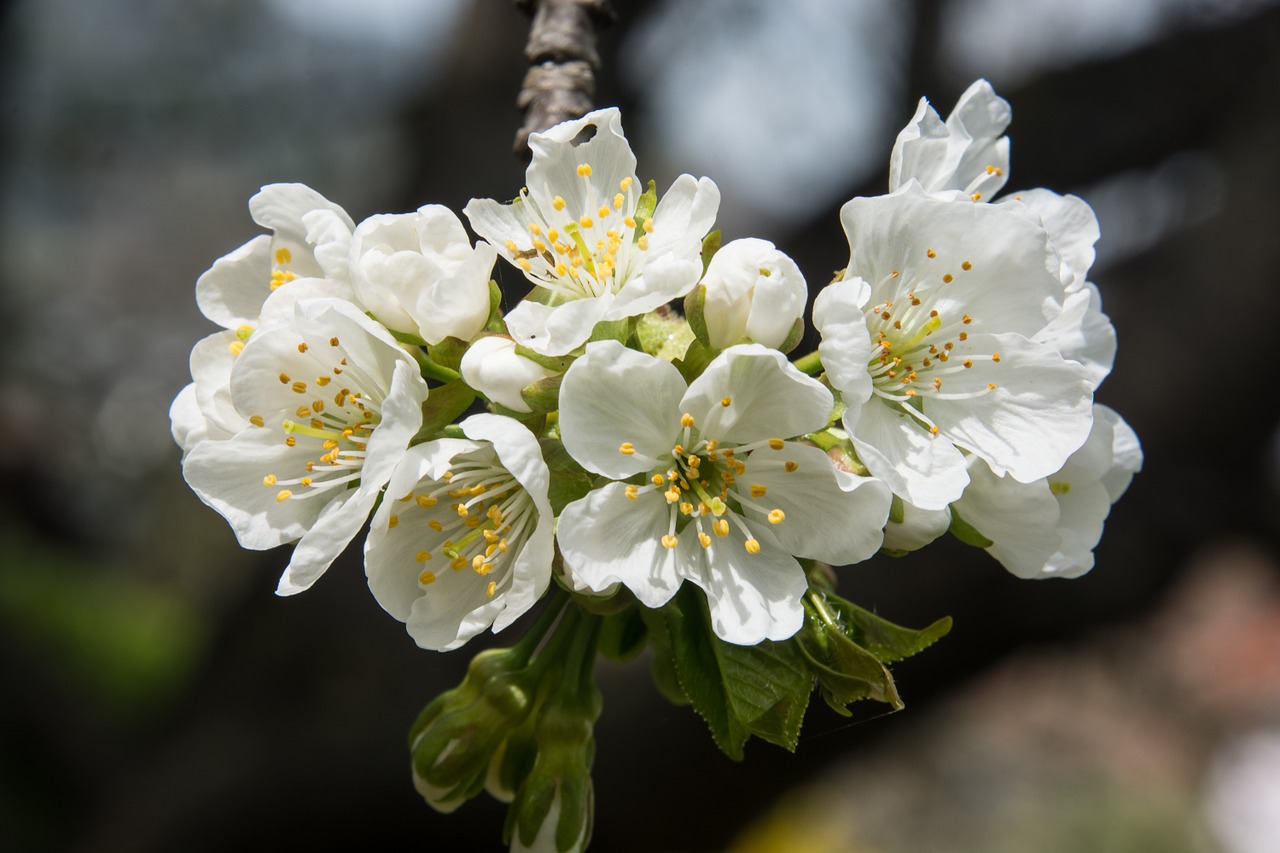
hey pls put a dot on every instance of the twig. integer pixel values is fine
(560, 83)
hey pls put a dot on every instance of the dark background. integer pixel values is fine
(157, 696)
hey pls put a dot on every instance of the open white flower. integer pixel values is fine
(753, 292)
(332, 402)
(721, 498)
(576, 233)
(967, 153)
(418, 274)
(463, 538)
(929, 338)
(1050, 527)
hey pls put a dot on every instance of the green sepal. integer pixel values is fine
(663, 334)
(442, 407)
(740, 691)
(710, 245)
(623, 635)
(408, 338)
(794, 337)
(495, 323)
(845, 671)
(558, 363)
(613, 330)
(897, 510)
(966, 532)
(695, 360)
(887, 641)
(694, 312)
(543, 396)
(662, 666)
(449, 352)
(644, 208)
(569, 480)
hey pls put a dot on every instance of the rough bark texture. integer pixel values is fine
(562, 57)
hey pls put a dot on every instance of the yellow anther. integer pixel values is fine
(285, 379)
(422, 556)
(721, 527)
(283, 496)
(458, 563)
(302, 412)
(931, 253)
(758, 491)
(790, 467)
(305, 481)
(427, 577)
(393, 522)
(585, 221)
(257, 420)
(477, 562)
(643, 243)
(512, 247)
(461, 510)
(752, 546)
(553, 235)
(584, 170)
(966, 266)
(561, 269)
(991, 170)
(703, 539)
(633, 492)
(524, 264)
(946, 279)
(269, 480)
(672, 494)
(991, 386)
(425, 501)
(329, 444)
(911, 392)
(302, 347)
(648, 226)
(686, 420)
(627, 449)
(323, 381)
(283, 255)
(491, 588)
(976, 196)
(291, 441)
(603, 212)
(968, 362)
(933, 430)
(618, 200)
(995, 356)
(669, 541)
(539, 246)
(534, 229)
(937, 384)
(333, 342)
(658, 479)
(777, 516)
(558, 203)
(624, 184)
(236, 347)
(775, 444)
(1059, 488)
(299, 387)
(686, 508)
(629, 222)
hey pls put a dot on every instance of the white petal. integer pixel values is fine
(752, 597)
(281, 208)
(337, 524)
(556, 330)
(918, 528)
(1126, 453)
(830, 515)
(186, 423)
(492, 367)
(401, 420)
(926, 470)
(845, 347)
(1082, 333)
(1039, 413)
(457, 306)
(606, 538)
(613, 395)
(769, 398)
(329, 232)
(231, 292)
(211, 363)
(684, 215)
(663, 279)
(1020, 519)
(955, 155)
(1071, 224)
(1082, 512)
(554, 168)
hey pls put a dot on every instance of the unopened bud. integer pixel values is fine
(753, 292)
(494, 368)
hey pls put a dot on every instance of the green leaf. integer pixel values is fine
(739, 690)
(623, 635)
(662, 667)
(882, 638)
(442, 406)
(644, 208)
(694, 311)
(845, 671)
(695, 360)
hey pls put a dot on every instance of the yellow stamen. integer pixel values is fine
(753, 547)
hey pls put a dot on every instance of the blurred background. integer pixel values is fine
(156, 694)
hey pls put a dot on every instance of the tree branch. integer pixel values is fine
(560, 83)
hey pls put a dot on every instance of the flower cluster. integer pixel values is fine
(626, 448)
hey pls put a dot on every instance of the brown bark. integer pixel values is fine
(560, 83)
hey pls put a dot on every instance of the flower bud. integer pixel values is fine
(494, 368)
(753, 292)
(456, 737)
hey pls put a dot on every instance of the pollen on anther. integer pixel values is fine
(703, 539)
(491, 589)
(633, 492)
(966, 266)
(290, 441)
(269, 480)
(658, 479)
(726, 401)
(285, 379)
(302, 347)
(333, 342)
(686, 420)
(946, 279)
(627, 449)
(991, 386)
(427, 577)
(422, 556)
(968, 362)
(775, 444)
(236, 347)
(585, 221)
(299, 387)
(257, 420)
(721, 527)
(752, 546)
(283, 495)
(758, 490)
(584, 170)
(933, 430)
(931, 253)
(669, 542)
(558, 203)
(789, 467)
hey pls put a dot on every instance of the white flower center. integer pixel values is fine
(920, 338)
(331, 429)
(483, 511)
(709, 485)
(579, 254)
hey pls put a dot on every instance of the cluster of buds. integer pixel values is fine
(667, 478)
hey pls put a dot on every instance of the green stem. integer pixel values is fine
(810, 363)
(824, 610)
(529, 643)
(431, 370)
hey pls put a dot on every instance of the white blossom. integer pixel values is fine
(929, 338)
(1049, 528)
(753, 292)
(492, 366)
(576, 233)
(708, 487)
(463, 538)
(331, 402)
(418, 274)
